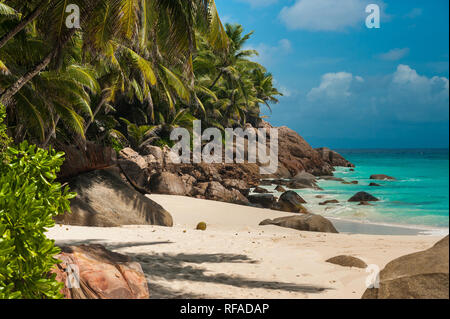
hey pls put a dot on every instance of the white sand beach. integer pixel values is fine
(236, 258)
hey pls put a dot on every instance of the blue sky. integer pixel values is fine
(347, 86)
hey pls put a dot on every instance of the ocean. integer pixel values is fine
(419, 196)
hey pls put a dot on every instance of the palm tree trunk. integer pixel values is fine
(13, 89)
(6, 96)
(22, 24)
(52, 133)
(104, 99)
(216, 80)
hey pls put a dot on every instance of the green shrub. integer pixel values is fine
(29, 198)
(4, 139)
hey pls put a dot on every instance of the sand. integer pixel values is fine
(236, 258)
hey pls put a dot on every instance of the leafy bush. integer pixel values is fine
(29, 198)
(4, 139)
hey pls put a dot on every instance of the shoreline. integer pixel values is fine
(374, 228)
(355, 226)
(344, 226)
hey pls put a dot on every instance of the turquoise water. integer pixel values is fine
(419, 196)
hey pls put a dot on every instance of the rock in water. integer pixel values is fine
(331, 201)
(332, 178)
(291, 202)
(280, 189)
(306, 222)
(422, 275)
(347, 261)
(374, 185)
(309, 180)
(363, 197)
(168, 183)
(105, 200)
(382, 177)
(102, 274)
(260, 190)
(365, 204)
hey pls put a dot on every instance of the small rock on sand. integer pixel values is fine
(347, 261)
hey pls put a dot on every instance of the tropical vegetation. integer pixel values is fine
(134, 70)
(29, 199)
(131, 72)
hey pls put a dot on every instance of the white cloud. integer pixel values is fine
(259, 3)
(324, 15)
(417, 97)
(334, 86)
(402, 96)
(394, 54)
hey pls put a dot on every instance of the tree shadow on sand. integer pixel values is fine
(168, 267)
(173, 267)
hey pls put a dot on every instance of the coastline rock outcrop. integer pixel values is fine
(306, 222)
(263, 200)
(168, 183)
(221, 182)
(421, 275)
(101, 274)
(215, 191)
(78, 161)
(134, 167)
(105, 200)
(347, 261)
(382, 177)
(306, 179)
(363, 197)
(333, 158)
(296, 155)
(152, 169)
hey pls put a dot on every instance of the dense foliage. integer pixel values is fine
(135, 70)
(29, 198)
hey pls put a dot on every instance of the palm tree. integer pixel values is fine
(51, 97)
(239, 85)
(226, 61)
(105, 20)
